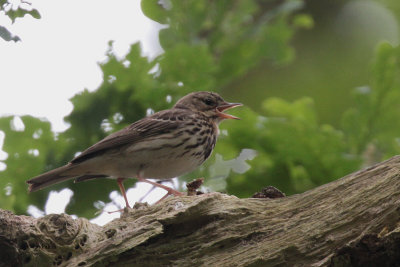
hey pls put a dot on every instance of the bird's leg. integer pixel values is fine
(169, 190)
(148, 192)
(122, 188)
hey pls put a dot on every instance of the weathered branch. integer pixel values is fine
(354, 221)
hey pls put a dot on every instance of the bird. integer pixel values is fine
(161, 146)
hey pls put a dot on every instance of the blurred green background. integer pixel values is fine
(320, 81)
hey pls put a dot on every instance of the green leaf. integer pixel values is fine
(155, 10)
(7, 35)
(191, 65)
(35, 14)
(304, 21)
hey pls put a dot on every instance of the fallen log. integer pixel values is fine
(353, 221)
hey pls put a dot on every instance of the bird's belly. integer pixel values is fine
(169, 168)
(161, 158)
(169, 162)
(160, 163)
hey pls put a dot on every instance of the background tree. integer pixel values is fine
(241, 50)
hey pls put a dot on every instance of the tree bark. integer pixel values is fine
(353, 221)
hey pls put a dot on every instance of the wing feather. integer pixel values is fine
(136, 132)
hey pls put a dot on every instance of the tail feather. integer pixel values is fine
(52, 177)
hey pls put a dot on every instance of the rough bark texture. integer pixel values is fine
(354, 221)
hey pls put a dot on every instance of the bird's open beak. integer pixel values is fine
(220, 109)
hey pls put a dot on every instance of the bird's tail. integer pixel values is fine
(51, 177)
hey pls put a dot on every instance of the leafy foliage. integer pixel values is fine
(296, 153)
(31, 148)
(373, 121)
(14, 11)
(207, 46)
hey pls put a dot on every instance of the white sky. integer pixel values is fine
(58, 57)
(59, 53)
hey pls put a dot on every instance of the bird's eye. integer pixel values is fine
(208, 102)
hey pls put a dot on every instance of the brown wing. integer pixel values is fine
(138, 131)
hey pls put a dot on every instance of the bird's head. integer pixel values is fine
(210, 104)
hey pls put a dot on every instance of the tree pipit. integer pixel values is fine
(164, 145)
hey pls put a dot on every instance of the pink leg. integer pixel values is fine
(169, 190)
(122, 188)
